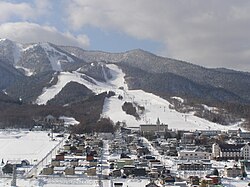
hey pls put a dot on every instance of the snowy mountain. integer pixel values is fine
(47, 74)
(229, 83)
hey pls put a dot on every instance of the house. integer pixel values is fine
(55, 163)
(67, 147)
(48, 170)
(90, 157)
(25, 163)
(194, 181)
(233, 172)
(69, 171)
(60, 157)
(8, 168)
(91, 172)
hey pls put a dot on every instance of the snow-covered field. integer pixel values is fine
(20, 145)
(155, 107)
(75, 182)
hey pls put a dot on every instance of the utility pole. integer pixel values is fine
(100, 176)
(13, 182)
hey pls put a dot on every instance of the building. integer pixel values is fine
(193, 155)
(210, 132)
(48, 170)
(69, 171)
(187, 138)
(233, 132)
(244, 135)
(233, 172)
(231, 151)
(194, 166)
(246, 151)
(153, 128)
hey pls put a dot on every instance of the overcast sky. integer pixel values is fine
(209, 33)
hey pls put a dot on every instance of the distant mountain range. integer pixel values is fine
(26, 69)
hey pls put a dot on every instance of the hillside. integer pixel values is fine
(57, 76)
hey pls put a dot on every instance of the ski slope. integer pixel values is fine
(155, 106)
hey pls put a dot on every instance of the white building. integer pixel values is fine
(246, 151)
(231, 151)
(193, 155)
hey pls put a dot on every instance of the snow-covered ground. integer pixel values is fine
(155, 106)
(20, 145)
(73, 182)
(69, 120)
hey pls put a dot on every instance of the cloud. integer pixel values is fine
(25, 32)
(210, 33)
(24, 11)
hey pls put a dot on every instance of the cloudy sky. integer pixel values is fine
(208, 33)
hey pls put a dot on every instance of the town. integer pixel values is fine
(152, 154)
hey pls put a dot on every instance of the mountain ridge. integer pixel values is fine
(39, 67)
